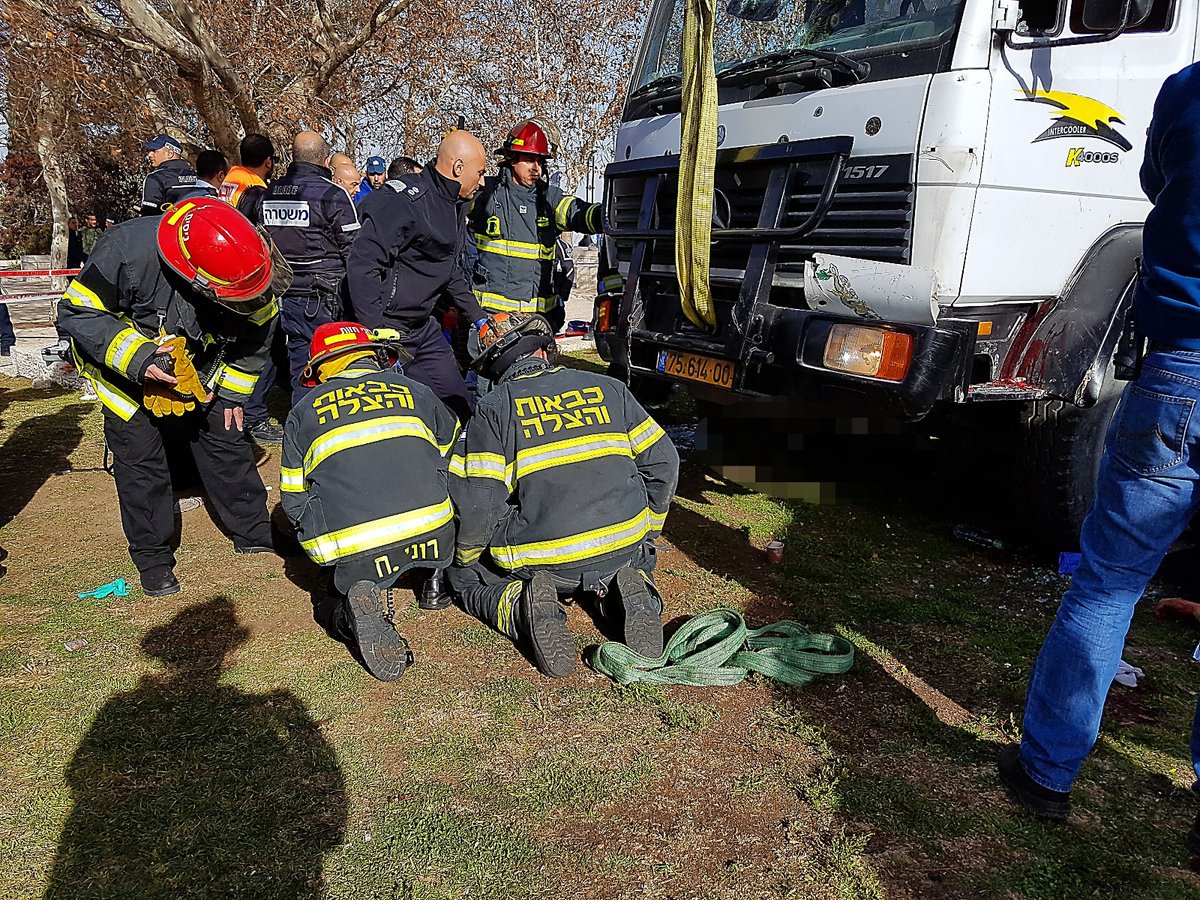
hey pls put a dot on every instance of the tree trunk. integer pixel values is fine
(51, 113)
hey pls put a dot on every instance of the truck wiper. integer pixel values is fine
(654, 85)
(795, 59)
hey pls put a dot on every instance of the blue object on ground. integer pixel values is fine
(115, 588)
(1068, 563)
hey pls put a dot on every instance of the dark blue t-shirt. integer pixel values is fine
(1167, 297)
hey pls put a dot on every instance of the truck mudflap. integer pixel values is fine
(787, 350)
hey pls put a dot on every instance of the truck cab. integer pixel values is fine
(917, 204)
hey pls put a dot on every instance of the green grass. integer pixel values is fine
(216, 743)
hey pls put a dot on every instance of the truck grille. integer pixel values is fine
(870, 217)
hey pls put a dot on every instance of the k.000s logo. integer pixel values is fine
(1077, 156)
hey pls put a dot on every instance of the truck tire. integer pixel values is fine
(1059, 446)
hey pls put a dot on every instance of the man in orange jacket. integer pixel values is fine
(244, 185)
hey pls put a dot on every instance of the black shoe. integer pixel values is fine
(1036, 799)
(1192, 839)
(159, 582)
(641, 614)
(265, 434)
(434, 595)
(543, 623)
(282, 544)
(385, 654)
(246, 549)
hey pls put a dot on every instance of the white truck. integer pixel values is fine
(924, 204)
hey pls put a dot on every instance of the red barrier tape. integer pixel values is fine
(11, 299)
(36, 273)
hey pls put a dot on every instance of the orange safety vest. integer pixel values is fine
(236, 181)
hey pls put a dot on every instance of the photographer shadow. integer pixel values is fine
(188, 787)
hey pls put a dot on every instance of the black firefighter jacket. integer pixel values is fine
(406, 254)
(125, 297)
(364, 470)
(560, 470)
(515, 229)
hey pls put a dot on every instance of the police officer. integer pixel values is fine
(515, 222)
(363, 418)
(170, 180)
(313, 223)
(406, 257)
(561, 484)
(170, 321)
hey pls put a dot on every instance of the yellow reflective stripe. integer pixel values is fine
(266, 314)
(77, 295)
(236, 380)
(560, 212)
(326, 548)
(612, 284)
(514, 249)
(121, 349)
(504, 609)
(500, 303)
(572, 450)
(482, 465)
(657, 520)
(445, 448)
(466, 557)
(359, 434)
(118, 401)
(592, 217)
(645, 435)
(291, 480)
(576, 547)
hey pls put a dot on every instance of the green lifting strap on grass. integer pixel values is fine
(697, 165)
(716, 648)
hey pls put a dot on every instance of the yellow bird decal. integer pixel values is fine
(1083, 110)
(1095, 116)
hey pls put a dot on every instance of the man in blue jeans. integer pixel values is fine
(1148, 486)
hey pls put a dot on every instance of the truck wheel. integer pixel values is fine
(1059, 446)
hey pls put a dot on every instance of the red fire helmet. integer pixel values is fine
(218, 252)
(537, 136)
(334, 339)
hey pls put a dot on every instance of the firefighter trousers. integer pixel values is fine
(489, 593)
(224, 459)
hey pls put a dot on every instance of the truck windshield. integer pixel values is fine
(775, 30)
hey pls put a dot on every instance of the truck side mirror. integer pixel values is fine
(1109, 15)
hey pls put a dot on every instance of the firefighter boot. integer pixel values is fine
(640, 613)
(385, 654)
(542, 623)
(433, 592)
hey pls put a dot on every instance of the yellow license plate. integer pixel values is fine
(718, 372)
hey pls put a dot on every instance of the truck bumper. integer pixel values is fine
(783, 354)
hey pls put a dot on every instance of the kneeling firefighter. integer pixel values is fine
(561, 485)
(363, 478)
(171, 320)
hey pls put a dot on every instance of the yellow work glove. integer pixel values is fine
(174, 400)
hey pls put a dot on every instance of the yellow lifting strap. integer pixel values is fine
(697, 164)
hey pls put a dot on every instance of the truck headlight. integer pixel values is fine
(873, 352)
